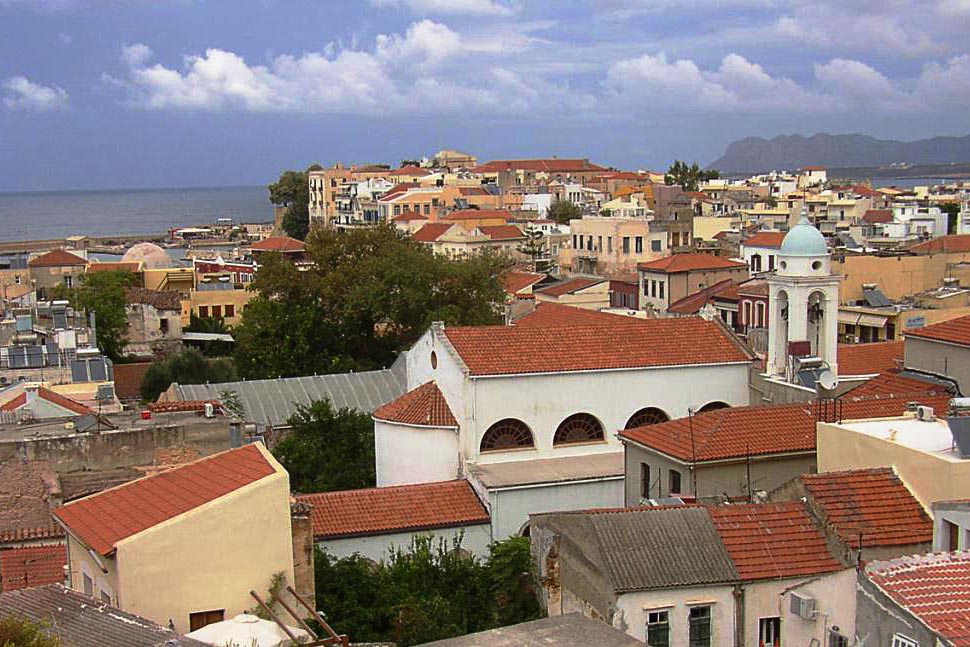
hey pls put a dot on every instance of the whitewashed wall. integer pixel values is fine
(475, 539)
(407, 454)
(677, 602)
(835, 600)
(510, 508)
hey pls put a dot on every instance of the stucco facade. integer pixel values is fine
(939, 358)
(474, 538)
(407, 454)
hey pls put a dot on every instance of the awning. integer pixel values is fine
(861, 319)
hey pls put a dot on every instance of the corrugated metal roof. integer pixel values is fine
(656, 548)
(272, 402)
(80, 621)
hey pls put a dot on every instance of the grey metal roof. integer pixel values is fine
(272, 402)
(80, 621)
(654, 548)
(570, 630)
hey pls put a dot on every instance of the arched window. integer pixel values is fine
(578, 428)
(648, 416)
(713, 406)
(507, 434)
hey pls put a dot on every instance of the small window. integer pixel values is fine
(69, 281)
(674, 482)
(769, 632)
(639, 244)
(200, 619)
(661, 289)
(578, 428)
(836, 639)
(434, 359)
(230, 310)
(217, 312)
(163, 326)
(105, 597)
(203, 312)
(507, 434)
(658, 628)
(626, 244)
(88, 585)
(783, 265)
(900, 640)
(656, 245)
(817, 265)
(699, 627)
(644, 481)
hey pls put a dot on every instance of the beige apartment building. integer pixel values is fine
(667, 280)
(202, 537)
(611, 246)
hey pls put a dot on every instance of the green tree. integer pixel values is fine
(103, 293)
(428, 591)
(292, 191)
(212, 326)
(689, 177)
(952, 211)
(562, 211)
(406, 163)
(187, 367)
(328, 449)
(369, 294)
(20, 632)
(534, 247)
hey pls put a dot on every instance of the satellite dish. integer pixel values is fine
(827, 380)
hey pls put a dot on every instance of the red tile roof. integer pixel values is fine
(737, 432)
(281, 244)
(431, 232)
(770, 239)
(178, 406)
(873, 216)
(472, 190)
(569, 287)
(869, 359)
(109, 266)
(954, 331)
(424, 406)
(14, 403)
(548, 314)
(865, 191)
(774, 540)
(479, 214)
(408, 216)
(813, 168)
(873, 502)
(690, 263)
(953, 244)
(933, 588)
(554, 165)
(129, 378)
(755, 288)
(620, 342)
(63, 402)
(414, 171)
(501, 232)
(891, 384)
(353, 513)
(692, 303)
(28, 566)
(57, 258)
(515, 282)
(16, 535)
(103, 519)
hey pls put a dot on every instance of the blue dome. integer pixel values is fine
(803, 240)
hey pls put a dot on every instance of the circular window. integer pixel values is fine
(434, 360)
(817, 265)
(783, 265)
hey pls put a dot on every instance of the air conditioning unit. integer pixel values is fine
(925, 414)
(802, 606)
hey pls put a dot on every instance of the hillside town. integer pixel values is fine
(622, 407)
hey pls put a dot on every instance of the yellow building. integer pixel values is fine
(175, 279)
(185, 546)
(612, 247)
(227, 304)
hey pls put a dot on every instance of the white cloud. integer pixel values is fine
(22, 94)
(136, 54)
(946, 83)
(856, 83)
(449, 7)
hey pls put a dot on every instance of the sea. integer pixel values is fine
(59, 214)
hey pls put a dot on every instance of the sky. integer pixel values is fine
(99, 94)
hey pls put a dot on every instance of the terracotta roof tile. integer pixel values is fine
(431, 232)
(774, 540)
(892, 384)
(129, 378)
(177, 406)
(515, 282)
(736, 432)
(408, 216)
(933, 588)
(873, 216)
(869, 359)
(692, 303)
(479, 214)
(102, 520)
(954, 331)
(690, 263)
(158, 299)
(278, 244)
(548, 314)
(399, 508)
(554, 165)
(57, 258)
(28, 566)
(569, 287)
(424, 406)
(63, 401)
(114, 266)
(770, 239)
(873, 502)
(17, 535)
(617, 343)
(501, 232)
(755, 288)
(411, 171)
(953, 244)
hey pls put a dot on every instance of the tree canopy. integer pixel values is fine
(562, 211)
(186, 367)
(292, 191)
(103, 293)
(328, 449)
(20, 632)
(369, 294)
(429, 591)
(689, 177)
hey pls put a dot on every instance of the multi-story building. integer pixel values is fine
(669, 279)
(612, 246)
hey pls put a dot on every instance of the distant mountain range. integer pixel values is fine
(756, 154)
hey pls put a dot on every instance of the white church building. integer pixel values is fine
(528, 413)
